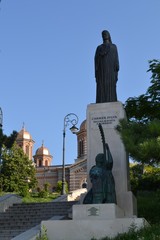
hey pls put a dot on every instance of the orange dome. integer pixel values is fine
(83, 125)
(24, 135)
(42, 151)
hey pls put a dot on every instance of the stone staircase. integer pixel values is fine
(21, 217)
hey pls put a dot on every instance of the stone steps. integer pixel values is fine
(21, 217)
(6, 235)
(37, 213)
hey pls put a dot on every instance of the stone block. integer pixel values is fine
(96, 212)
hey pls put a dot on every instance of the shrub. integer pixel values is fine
(24, 191)
(43, 234)
(46, 186)
(144, 178)
(59, 187)
(43, 194)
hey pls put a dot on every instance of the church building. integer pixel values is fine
(75, 174)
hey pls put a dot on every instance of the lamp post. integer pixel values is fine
(1, 118)
(72, 119)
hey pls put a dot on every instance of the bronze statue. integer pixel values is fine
(106, 70)
(103, 185)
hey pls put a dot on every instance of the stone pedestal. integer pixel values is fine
(87, 229)
(109, 114)
(92, 221)
(101, 220)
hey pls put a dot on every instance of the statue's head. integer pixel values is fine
(99, 160)
(106, 36)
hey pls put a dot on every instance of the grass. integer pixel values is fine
(34, 198)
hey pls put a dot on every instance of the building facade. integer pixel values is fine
(75, 174)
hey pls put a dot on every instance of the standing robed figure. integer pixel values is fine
(106, 70)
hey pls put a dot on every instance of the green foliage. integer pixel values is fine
(24, 191)
(7, 141)
(18, 172)
(146, 107)
(43, 194)
(148, 204)
(46, 186)
(141, 133)
(150, 181)
(59, 187)
(142, 141)
(144, 178)
(154, 90)
(136, 172)
(43, 234)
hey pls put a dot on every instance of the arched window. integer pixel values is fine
(46, 163)
(84, 183)
(40, 163)
(81, 147)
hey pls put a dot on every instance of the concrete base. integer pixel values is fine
(88, 229)
(92, 221)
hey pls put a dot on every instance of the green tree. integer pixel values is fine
(17, 172)
(7, 141)
(59, 187)
(141, 140)
(146, 107)
(141, 131)
(144, 178)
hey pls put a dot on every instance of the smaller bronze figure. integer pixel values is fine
(103, 185)
(106, 70)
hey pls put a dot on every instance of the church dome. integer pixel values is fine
(83, 126)
(23, 134)
(42, 151)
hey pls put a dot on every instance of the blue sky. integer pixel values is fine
(47, 61)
